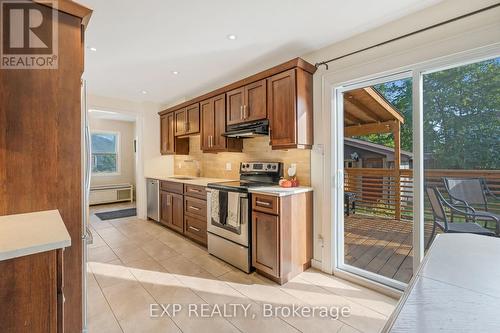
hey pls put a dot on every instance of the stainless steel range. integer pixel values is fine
(229, 212)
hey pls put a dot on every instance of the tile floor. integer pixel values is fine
(135, 263)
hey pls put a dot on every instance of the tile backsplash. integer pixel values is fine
(254, 150)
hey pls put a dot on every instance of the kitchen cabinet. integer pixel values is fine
(183, 208)
(289, 99)
(172, 210)
(169, 144)
(187, 120)
(41, 169)
(281, 235)
(282, 94)
(266, 243)
(247, 103)
(213, 125)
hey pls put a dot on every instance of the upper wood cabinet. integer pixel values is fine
(289, 104)
(247, 103)
(282, 94)
(213, 125)
(169, 144)
(187, 120)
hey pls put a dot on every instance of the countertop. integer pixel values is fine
(25, 234)
(456, 288)
(200, 181)
(269, 190)
(280, 191)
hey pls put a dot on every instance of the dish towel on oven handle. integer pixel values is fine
(233, 210)
(214, 214)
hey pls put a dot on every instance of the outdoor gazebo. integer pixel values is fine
(368, 112)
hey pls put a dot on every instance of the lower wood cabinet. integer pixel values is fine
(171, 211)
(282, 235)
(183, 208)
(32, 302)
(266, 243)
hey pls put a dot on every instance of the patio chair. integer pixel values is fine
(469, 192)
(438, 204)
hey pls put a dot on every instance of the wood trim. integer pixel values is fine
(71, 8)
(294, 63)
(382, 101)
(357, 130)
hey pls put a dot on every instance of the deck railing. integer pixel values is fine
(377, 189)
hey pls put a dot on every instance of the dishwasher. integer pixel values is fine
(153, 189)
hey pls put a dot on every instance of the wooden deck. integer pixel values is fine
(379, 245)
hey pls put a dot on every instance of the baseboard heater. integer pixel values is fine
(111, 193)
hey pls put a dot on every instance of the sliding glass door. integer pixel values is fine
(377, 154)
(392, 158)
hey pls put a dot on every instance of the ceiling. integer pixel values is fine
(139, 44)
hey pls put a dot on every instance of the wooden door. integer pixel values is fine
(255, 102)
(165, 208)
(170, 135)
(219, 106)
(192, 119)
(281, 97)
(235, 101)
(265, 243)
(177, 206)
(207, 123)
(180, 122)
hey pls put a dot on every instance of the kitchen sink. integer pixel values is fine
(181, 178)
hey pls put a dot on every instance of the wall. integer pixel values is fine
(254, 149)
(126, 130)
(479, 30)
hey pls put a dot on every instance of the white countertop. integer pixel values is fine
(200, 181)
(280, 191)
(25, 234)
(456, 288)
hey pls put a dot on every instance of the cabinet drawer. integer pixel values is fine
(172, 187)
(196, 229)
(195, 207)
(195, 191)
(265, 203)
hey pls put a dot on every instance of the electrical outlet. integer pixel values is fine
(293, 165)
(228, 166)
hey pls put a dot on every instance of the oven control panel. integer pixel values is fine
(264, 167)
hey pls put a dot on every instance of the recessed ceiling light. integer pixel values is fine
(175, 72)
(93, 49)
(231, 37)
(144, 92)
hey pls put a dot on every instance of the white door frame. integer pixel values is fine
(333, 161)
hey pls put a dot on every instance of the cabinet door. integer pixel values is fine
(192, 119)
(235, 101)
(170, 136)
(163, 134)
(281, 98)
(219, 106)
(165, 208)
(265, 243)
(180, 122)
(255, 104)
(177, 204)
(207, 124)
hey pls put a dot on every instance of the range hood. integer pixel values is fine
(248, 130)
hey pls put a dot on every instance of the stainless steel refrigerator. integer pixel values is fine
(86, 167)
